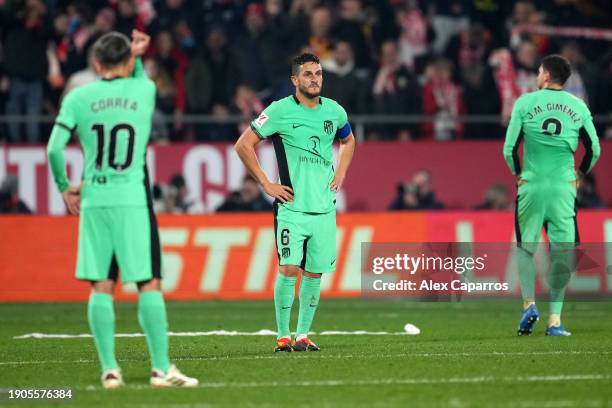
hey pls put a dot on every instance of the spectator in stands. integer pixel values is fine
(10, 203)
(263, 51)
(127, 17)
(481, 98)
(416, 195)
(82, 77)
(425, 193)
(320, 39)
(248, 198)
(442, 98)
(496, 198)
(406, 198)
(449, 19)
(165, 97)
(587, 196)
(526, 15)
(223, 65)
(470, 47)
(350, 28)
(225, 13)
(178, 17)
(340, 82)
(584, 78)
(174, 61)
(26, 39)
(396, 91)
(283, 41)
(415, 36)
(247, 105)
(526, 63)
(176, 197)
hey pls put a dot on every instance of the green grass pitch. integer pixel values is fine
(466, 356)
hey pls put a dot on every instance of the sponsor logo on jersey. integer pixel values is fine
(314, 144)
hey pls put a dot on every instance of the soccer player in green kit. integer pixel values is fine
(550, 121)
(302, 128)
(117, 229)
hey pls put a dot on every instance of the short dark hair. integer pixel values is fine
(558, 67)
(302, 59)
(112, 49)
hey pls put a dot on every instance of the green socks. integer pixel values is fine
(152, 319)
(527, 273)
(562, 266)
(310, 292)
(284, 292)
(101, 316)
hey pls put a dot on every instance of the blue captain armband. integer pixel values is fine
(344, 131)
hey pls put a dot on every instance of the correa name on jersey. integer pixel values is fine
(114, 103)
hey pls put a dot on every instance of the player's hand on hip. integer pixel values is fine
(140, 43)
(337, 182)
(279, 192)
(72, 198)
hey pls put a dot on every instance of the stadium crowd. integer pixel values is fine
(443, 58)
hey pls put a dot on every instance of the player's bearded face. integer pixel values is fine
(310, 80)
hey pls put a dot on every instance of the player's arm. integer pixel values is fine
(592, 150)
(347, 148)
(140, 44)
(345, 155)
(514, 135)
(245, 147)
(60, 135)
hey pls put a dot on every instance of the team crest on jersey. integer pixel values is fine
(286, 252)
(328, 125)
(261, 120)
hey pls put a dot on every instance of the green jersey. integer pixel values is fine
(113, 121)
(303, 139)
(550, 122)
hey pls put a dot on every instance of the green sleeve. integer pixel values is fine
(514, 134)
(65, 124)
(138, 71)
(588, 137)
(267, 123)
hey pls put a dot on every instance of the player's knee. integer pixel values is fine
(105, 286)
(312, 274)
(291, 271)
(152, 284)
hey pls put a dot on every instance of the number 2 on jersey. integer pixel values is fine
(112, 149)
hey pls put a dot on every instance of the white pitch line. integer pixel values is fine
(332, 356)
(263, 332)
(381, 381)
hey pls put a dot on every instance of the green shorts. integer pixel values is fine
(306, 240)
(549, 205)
(113, 239)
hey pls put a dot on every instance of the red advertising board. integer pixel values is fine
(233, 256)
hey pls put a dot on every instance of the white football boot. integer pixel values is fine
(172, 378)
(112, 379)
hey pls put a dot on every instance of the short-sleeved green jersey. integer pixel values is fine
(113, 121)
(550, 122)
(303, 139)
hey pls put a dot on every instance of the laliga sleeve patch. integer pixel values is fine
(261, 120)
